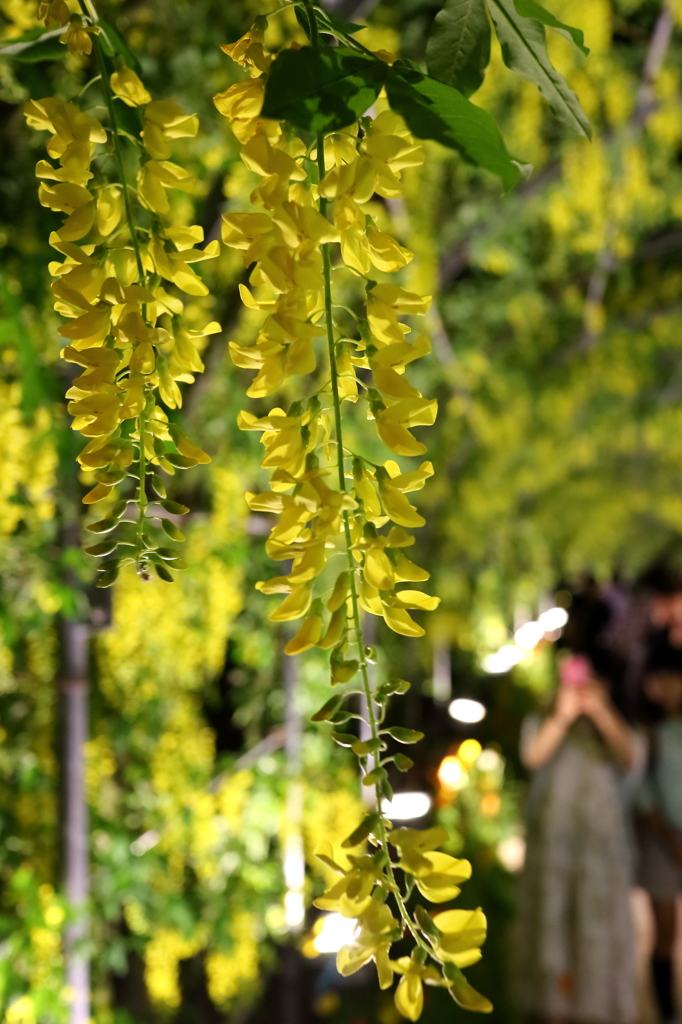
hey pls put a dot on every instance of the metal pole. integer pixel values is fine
(75, 637)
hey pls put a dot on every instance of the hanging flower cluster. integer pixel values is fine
(309, 210)
(122, 265)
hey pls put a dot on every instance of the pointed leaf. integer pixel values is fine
(105, 547)
(524, 50)
(531, 9)
(107, 574)
(174, 507)
(404, 735)
(172, 531)
(348, 28)
(458, 50)
(327, 710)
(322, 90)
(463, 993)
(344, 739)
(364, 829)
(163, 573)
(434, 110)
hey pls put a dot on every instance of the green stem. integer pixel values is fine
(118, 155)
(312, 18)
(141, 489)
(367, 689)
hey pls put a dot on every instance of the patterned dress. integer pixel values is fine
(575, 948)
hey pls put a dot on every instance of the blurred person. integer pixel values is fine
(660, 811)
(576, 946)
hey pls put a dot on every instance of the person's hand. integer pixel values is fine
(594, 700)
(568, 705)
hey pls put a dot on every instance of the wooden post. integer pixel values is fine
(292, 852)
(75, 643)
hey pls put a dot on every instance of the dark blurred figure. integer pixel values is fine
(660, 801)
(576, 948)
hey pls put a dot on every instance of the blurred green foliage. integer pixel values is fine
(557, 450)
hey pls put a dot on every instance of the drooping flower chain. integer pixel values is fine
(286, 240)
(121, 261)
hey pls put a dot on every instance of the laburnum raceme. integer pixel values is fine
(309, 216)
(119, 279)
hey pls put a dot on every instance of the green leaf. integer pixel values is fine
(304, 21)
(46, 46)
(393, 685)
(403, 763)
(327, 710)
(180, 461)
(348, 28)
(463, 993)
(434, 110)
(404, 735)
(110, 476)
(322, 90)
(108, 572)
(364, 829)
(458, 50)
(105, 547)
(158, 486)
(344, 739)
(163, 573)
(174, 507)
(524, 50)
(341, 717)
(113, 43)
(364, 747)
(117, 509)
(425, 922)
(531, 9)
(168, 554)
(377, 775)
(102, 526)
(172, 530)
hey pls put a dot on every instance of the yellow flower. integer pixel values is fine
(375, 931)
(249, 51)
(53, 12)
(409, 995)
(440, 882)
(393, 423)
(128, 87)
(164, 120)
(77, 36)
(309, 633)
(463, 932)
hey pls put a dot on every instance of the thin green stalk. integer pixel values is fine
(314, 34)
(367, 689)
(141, 491)
(118, 155)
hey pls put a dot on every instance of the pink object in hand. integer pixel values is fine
(575, 670)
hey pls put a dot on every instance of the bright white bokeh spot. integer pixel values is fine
(553, 618)
(463, 709)
(451, 774)
(294, 908)
(511, 853)
(489, 761)
(335, 932)
(404, 806)
(529, 635)
(503, 660)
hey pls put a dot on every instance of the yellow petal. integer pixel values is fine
(409, 996)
